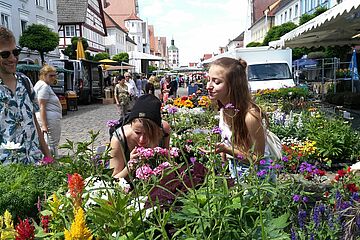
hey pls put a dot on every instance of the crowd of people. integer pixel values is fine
(29, 113)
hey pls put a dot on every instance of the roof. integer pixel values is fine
(120, 10)
(172, 48)
(282, 4)
(132, 16)
(258, 8)
(74, 14)
(128, 39)
(109, 22)
(207, 56)
(337, 26)
(239, 38)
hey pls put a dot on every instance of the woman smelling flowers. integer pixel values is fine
(240, 118)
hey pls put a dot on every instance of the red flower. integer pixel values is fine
(45, 223)
(341, 173)
(320, 172)
(184, 98)
(352, 187)
(326, 194)
(25, 231)
(75, 184)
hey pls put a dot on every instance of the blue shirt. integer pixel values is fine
(17, 124)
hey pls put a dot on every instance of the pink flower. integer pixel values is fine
(174, 152)
(161, 167)
(144, 172)
(47, 161)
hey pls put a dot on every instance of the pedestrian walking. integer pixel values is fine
(50, 113)
(21, 139)
(122, 96)
(130, 83)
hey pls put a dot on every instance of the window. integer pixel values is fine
(290, 13)
(70, 31)
(132, 24)
(285, 17)
(49, 5)
(296, 10)
(38, 2)
(281, 19)
(5, 20)
(23, 25)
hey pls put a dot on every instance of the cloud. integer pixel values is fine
(197, 26)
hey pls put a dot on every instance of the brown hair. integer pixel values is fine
(6, 36)
(46, 69)
(240, 98)
(151, 129)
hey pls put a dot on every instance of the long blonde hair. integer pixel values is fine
(151, 129)
(240, 99)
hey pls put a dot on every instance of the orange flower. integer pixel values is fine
(76, 187)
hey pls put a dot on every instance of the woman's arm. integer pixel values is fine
(167, 130)
(257, 136)
(44, 125)
(116, 95)
(117, 161)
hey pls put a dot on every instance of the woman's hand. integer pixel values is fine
(44, 129)
(221, 148)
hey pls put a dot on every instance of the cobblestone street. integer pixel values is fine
(77, 124)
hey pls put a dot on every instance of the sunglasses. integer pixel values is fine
(5, 54)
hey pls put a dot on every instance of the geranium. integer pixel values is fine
(112, 123)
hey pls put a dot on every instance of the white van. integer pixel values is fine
(267, 67)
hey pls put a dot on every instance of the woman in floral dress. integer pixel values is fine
(122, 97)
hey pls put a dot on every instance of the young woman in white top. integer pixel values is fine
(240, 117)
(50, 107)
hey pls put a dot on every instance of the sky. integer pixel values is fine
(197, 26)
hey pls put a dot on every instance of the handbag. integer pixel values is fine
(274, 144)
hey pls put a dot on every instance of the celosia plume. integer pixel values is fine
(76, 187)
(78, 229)
(24, 230)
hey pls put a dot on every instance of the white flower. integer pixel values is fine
(10, 145)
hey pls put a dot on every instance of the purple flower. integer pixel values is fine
(240, 156)
(262, 161)
(216, 130)
(261, 173)
(293, 234)
(305, 199)
(193, 160)
(172, 110)
(285, 158)
(296, 198)
(229, 106)
(316, 216)
(112, 123)
(301, 218)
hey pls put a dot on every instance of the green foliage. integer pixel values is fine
(70, 50)
(121, 57)
(40, 38)
(298, 52)
(254, 44)
(151, 68)
(338, 51)
(316, 55)
(21, 187)
(101, 56)
(277, 31)
(307, 17)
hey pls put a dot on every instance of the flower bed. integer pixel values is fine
(186, 194)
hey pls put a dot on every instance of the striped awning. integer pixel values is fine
(339, 25)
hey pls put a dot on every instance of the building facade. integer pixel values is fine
(173, 55)
(16, 15)
(288, 11)
(83, 19)
(134, 25)
(115, 41)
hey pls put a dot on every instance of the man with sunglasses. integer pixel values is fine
(21, 139)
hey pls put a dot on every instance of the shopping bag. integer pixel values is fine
(274, 144)
(47, 140)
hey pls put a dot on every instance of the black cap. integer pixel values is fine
(147, 106)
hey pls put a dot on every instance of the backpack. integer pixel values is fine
(121, 122)
(26, 83)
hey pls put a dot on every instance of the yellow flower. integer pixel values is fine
(9, 231)
(55, 204)
(78, 229)
(189, 104)
(177, 102)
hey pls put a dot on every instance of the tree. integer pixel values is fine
(70, 50)
(121, 57)
(101, 56)
(38, 37)
(277, 31)
(254, 44)
(307, 17)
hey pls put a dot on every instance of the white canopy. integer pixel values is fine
(337, 26)
(133, 55)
